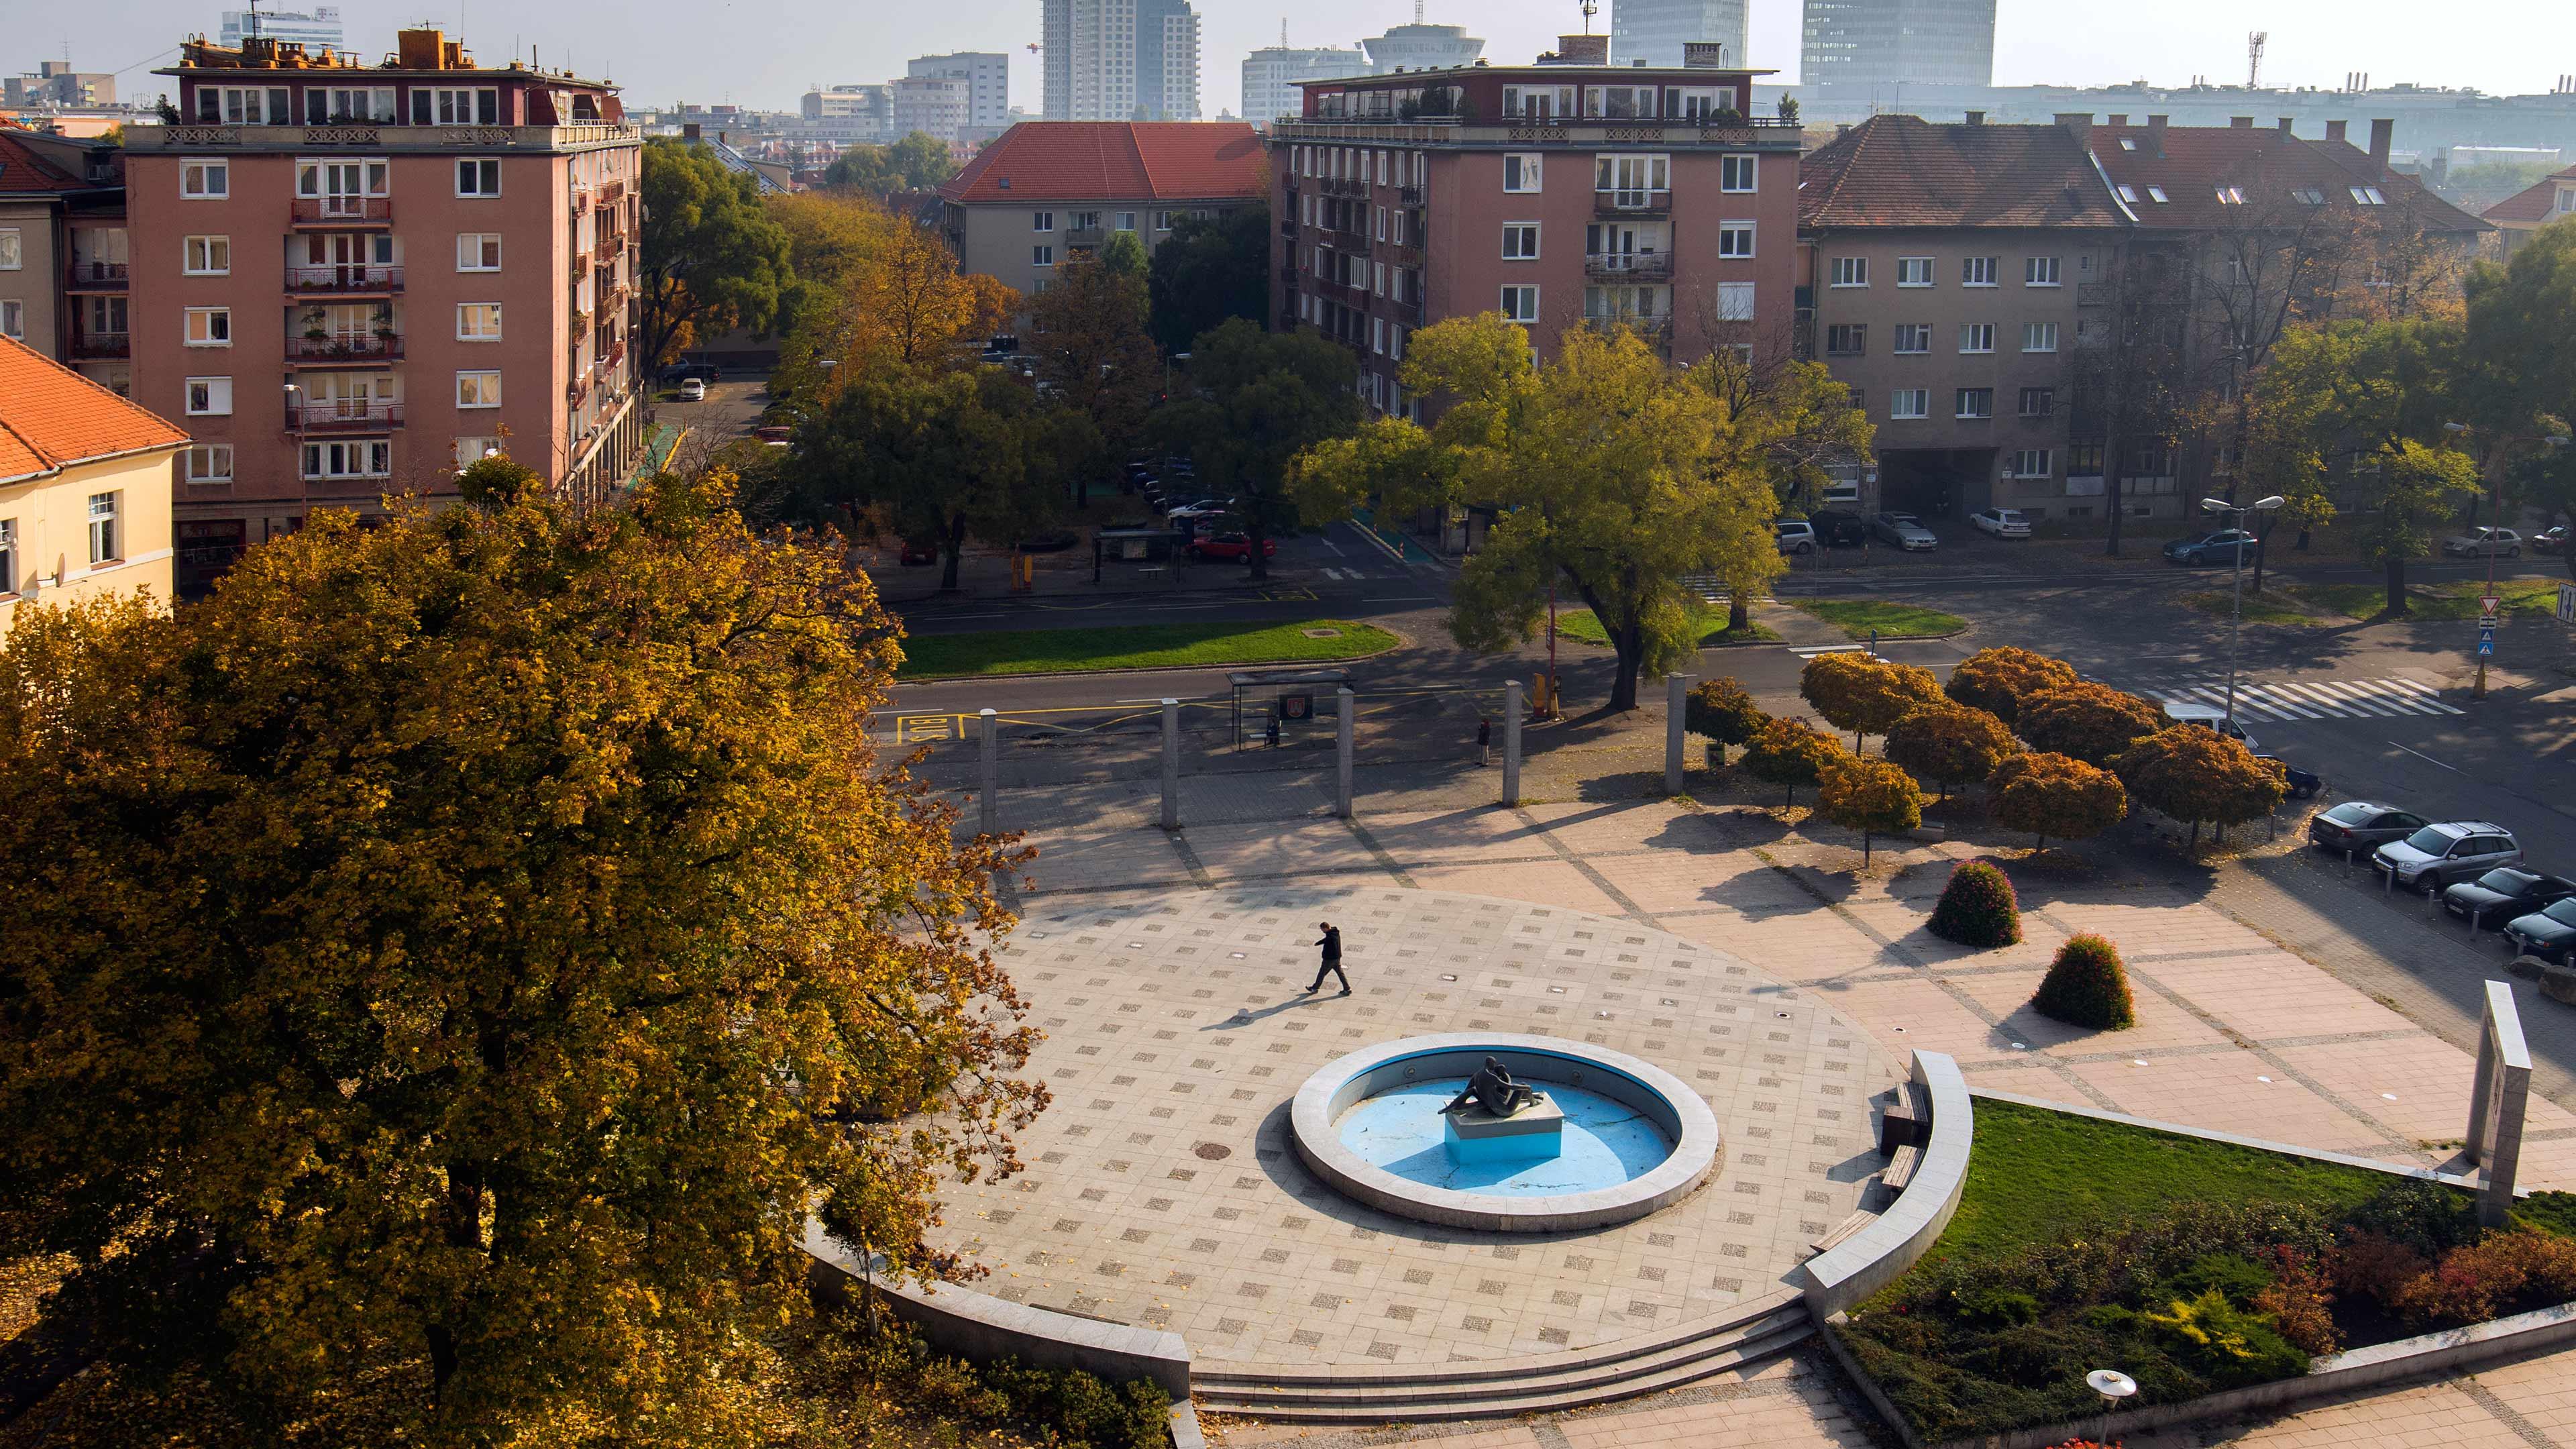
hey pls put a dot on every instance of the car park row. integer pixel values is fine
(2473, 868)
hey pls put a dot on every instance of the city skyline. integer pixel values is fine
(804, 42)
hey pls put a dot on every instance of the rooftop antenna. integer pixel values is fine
(1590, 9)
(2254, 57)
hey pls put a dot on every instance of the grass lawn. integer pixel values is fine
(1858, 617)
(2451, 600)
(1136, 646)
(2264, 608)
(2034, 1175)
(1578, 624)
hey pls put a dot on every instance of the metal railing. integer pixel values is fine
(1623, 202)
(380, 347)
(343, 277)
(346, 416)
(324, 210)
(96, 275)
(1629, 264)
(102, 344)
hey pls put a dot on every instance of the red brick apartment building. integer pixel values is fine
(347, 277)
(1565, 193)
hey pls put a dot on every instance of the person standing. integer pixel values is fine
(1485, 741)
(1332, 963)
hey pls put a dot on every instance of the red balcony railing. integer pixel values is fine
(102, 344)
(343, 278)
(341, 210)
(96, 277)
(346, 417)
(376, 348)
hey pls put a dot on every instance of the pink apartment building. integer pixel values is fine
(349, 278)
(1565, 193)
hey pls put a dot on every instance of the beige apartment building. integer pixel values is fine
(63, 251)
(84, 488)
(1047, 192)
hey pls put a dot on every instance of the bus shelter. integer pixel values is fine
(1288, 695)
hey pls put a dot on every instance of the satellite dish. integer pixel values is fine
(2111, 1383)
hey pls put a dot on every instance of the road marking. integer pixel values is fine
(1328, 543)
(1405, 599)
(1810, 651)
(2427, 759)
(2310, 699)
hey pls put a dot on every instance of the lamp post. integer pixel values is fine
(2113, 1386)
(2495, 487)
(2236, 615)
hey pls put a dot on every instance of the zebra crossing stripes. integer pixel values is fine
(2315, 698)
(1810, 651)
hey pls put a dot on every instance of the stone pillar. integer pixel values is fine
(1512, 712)
(1171, 764)
(1676, 708)
(992, 792)
(1343, 703)
(2497, 1101)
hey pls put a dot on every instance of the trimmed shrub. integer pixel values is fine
(1719, 711)
(2196, 774)
(1978, 907)
(1870, 796)
(2087, 986)
(1949, 743)
(2091, 722)
(2056, 795)
(1790, 753)
(1865, 695)
(1997, 680)
(2297, 1302)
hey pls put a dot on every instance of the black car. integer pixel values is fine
(2360, 825)
(680, 372)
(2504, 893)
(1838, 529)
(2549, 934)
(2304, 784)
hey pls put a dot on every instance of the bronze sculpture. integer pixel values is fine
(1493, 1089)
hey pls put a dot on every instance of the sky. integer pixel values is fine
(766, 53)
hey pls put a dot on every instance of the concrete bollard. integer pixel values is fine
(1512, 742)
(1171, 764)
(991, 794)
(1676, 708)
(1344, 706)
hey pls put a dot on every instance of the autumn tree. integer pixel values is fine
(1943, 741)
(831, 238)
(1721, 712)
(944, 455)
(2522, 341)
(1865, 694)
(1256, 401)
(2056, 795)
(1210, 269)
(1790, 753)
(1871, 796)
(2193, 773)
(1785, 422)
(914, 306)
(916, 162)
(1087, 333)
(2089, 722)
(712, 259)
(1998, 679)
(490, 942)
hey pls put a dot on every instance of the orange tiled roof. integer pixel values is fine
(2536, 203)
(2270, 170)
(23, 170)
(1116, 161)
(1905, 171)
(52, 418)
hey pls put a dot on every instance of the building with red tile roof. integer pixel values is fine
(1045, 192)
(84, 486)
(62, 247)
(2550, 199)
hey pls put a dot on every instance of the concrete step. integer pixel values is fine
(1734, 1321)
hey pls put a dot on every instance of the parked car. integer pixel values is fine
(2226, 546)
(693, 390)
(2358, 825)
(2552, 539)
(774, 435)
(1905, 531)
(2486, 542)
(916, 554)
(679, 372)
(2440, 854)
(2304, 784)
(2548, 933)
(1202, 508)
(2001, 522)
(2504, 893)
(2210, 716)
(1233, 546)
(1795, 535)
(1839, 528)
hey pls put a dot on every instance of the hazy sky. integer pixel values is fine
(767, 52)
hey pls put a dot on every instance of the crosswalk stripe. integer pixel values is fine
(2426, 694)
(2287, 700)
(2325, 703)
(2274, 701)
(2379, 693)
(2355, 699)
(1810, 651)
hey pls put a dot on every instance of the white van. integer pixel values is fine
(2210, 716)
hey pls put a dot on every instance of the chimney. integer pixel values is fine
(2382, 131)
(1703, 55)
(419, 49)
(2240, 123)
(689, 131)
(2119, 118)
(2078, 124)
(2156, 134)
(1583, 50)
(1976, 118)
(2334, 130)
(2285, 126)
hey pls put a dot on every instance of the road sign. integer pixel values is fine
(2487, 621)
(2567, 603)
(2486, 648)
(2488, 604)
(2486, 631)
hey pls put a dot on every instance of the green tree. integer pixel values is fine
(1087, 332)
(1124, 256)
(1790, 753)
(2192, 773)
(939, 455)
(1256, 401)
(2522, 339)
(1210, 269)
(1943, 741)
(2089, 722)
(489, 941)
(1784, 422)
(712, 257)
(1721, 712)
(1998, 679)
(2056, 795)
(1865, 694)
(1870, 796)
(917, 162)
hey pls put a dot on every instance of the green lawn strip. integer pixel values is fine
(1859, 617)
(1135, 646)
(1580, 625)
(2449, 601)
(2263, 608)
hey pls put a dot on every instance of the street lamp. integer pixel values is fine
(2495, 486)
(2236, 617)
(2113, 1386)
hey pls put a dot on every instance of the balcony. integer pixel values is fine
(1288, 226)
(346, 417)
(102, 344)
(95, 277)
(344, 350)
(347, 279)
(2092, 294)
(1085, 236)
(1630, 266)
(344, 211)
(1409, 195)
(1632, 203)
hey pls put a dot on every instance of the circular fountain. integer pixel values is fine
(1600, 1138)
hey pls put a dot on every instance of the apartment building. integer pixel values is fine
(987, 75)
(936, 106)
(1272, 74)
(1050, 191)
(355, 277)
(55, 85)
(317, 29)
(84, 488)
(1118, 60)
(1652, 32)
(63, 251)
(1564, 194)
(1867, 53)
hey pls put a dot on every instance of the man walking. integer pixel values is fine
(1332, 944)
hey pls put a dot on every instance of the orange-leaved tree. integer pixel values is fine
(1998, 679)
(1870, 796)
(1790, 753)
(2056, 795)
(2091, 722)
(1864, 694)
(2194, 773)
(1946, 743)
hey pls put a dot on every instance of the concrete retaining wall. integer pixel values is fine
(1873, 1257)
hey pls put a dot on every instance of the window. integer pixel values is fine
(1735, 239)
(102, 528)
(13, 320)
(2157, 195)
(478, 389)
(478, 178)
(2231, 196)
(1126, 221)
(210, 327)
(1041, 256)
(1913, 337)
(2309, 194)
(470, 451)
(210, 463)
(1851, 272)
(2039, 271)
(1909, 402)
(1165, 220)
(478, 251)
(1846, 339)
(245, 106)
(1735, 173)
(2084, 460)
(460, 106)
(2129, 194)
(2038, 402)
(1378, 285)
(1520, 304)
(206, 256)
(1520, 241)
(1976, 271)
(8, 555)
(1633, 181)
(1914, 271)
(1377, 335)
(210, 397)
(205, 180)
(360, 459)
(1735, 301)
(1520, 172)
(2039, 337)
(2368, 196)
(1976, 402)
(1086, 221)
(12, 250)
(343, 182)
(478, 321)
(339, 105)
(1976, 337)
(2029, 463)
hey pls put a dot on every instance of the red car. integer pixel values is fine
(914, 555)
(1233, 546)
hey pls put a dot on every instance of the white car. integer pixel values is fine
(693, 390)
(2001, 522)
(1795, 535)
(2500, 542)
(1204, 508)
(2210, 716)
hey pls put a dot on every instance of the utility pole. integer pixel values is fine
(2236, 616)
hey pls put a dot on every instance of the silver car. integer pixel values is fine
(1904, 531)
(2445, 854)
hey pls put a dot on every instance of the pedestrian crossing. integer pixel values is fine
(1810, 651)
(2314, 698)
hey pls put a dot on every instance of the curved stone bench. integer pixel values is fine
(1872, 1258)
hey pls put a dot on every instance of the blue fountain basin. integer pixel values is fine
(1600, 1143)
